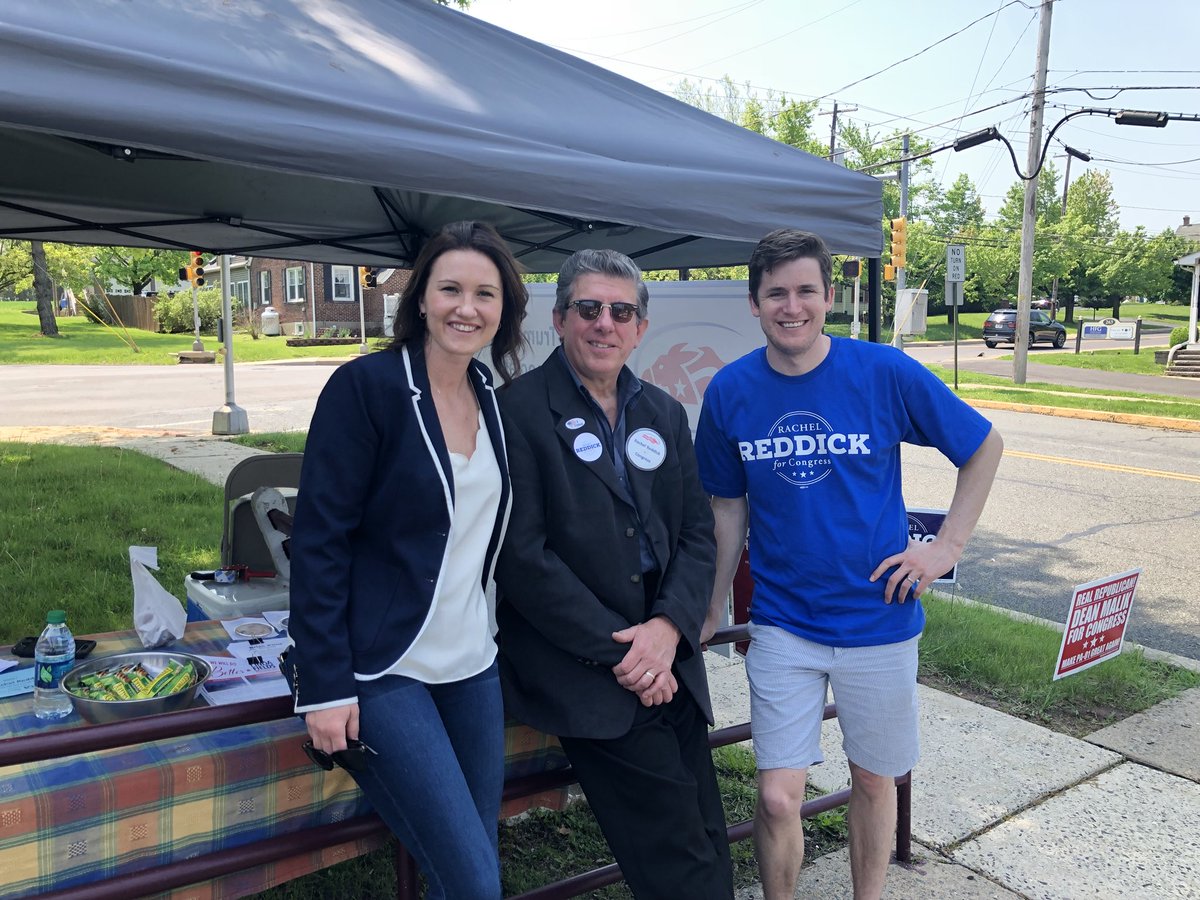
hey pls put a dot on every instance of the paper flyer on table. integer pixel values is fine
(225, 668)
(268, 649)
(239, 690)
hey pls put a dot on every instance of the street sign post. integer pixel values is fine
(956, 263)
(956, 272)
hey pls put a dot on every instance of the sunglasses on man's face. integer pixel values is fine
(352, 759)
(591, 309)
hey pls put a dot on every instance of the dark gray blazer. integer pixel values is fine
(569, 571)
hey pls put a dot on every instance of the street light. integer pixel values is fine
(1143, 118)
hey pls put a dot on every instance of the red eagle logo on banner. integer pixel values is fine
(684, 372)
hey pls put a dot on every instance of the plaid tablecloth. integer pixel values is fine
(90, 817)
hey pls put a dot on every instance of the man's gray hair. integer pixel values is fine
(599, 262)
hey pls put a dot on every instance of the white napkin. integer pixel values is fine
(158, 616)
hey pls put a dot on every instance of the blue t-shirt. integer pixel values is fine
(818, 458)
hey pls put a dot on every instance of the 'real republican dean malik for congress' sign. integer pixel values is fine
(1096, 623)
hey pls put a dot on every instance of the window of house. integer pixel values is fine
(343, 282)
(239, 291)
(295, 284)
(264, 288)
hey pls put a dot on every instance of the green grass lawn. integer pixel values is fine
(82, 341)
(1124, 360)
(978, 386)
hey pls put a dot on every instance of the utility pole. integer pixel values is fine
(833, 125)
(1029, 220)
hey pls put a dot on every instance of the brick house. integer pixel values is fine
(290, 287)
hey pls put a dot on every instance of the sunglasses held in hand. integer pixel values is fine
(591, 309)
(352, 759)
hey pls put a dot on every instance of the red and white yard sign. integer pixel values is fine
(1096, 623)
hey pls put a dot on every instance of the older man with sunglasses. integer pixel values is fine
(604, 582)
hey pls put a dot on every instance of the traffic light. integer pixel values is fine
(889, 272)
(372, 278)
(195, 269)
(899, 241)
(366, 277)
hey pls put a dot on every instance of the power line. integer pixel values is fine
(733, 11)
(924, 50)
(779, 37)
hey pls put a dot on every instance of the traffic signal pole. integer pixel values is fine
(230, 418)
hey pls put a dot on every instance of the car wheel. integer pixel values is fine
(1060, 339)
(991, 345)
(1030, 344)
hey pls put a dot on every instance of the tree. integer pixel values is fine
(42, 290)
(16, 267)
(137, 268)
(958, 211)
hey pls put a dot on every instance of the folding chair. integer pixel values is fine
(242, 542)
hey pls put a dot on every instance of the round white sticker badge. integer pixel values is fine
(574, 424)
(588, 446)
(646, 449)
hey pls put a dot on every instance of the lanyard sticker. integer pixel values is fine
(574, 424)
(588, 446)
(646, 449)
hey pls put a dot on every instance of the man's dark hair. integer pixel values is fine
(784, 245)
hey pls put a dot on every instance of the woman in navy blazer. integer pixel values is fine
(403, 502)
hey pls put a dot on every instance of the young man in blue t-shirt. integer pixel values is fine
(800, 442)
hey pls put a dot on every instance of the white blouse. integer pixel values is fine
(458, 639)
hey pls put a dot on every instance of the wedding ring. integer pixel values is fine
(651, 674)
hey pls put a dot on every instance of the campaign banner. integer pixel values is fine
(923, 525)
(1095, 628)
(696, 328)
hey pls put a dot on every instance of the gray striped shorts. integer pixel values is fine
(875, 689)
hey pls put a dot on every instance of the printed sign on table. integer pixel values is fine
(1096, 623)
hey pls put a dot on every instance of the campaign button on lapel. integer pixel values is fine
(588, 447)
(646, 449)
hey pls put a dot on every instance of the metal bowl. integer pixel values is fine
(100, 712)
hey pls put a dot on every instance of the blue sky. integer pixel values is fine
(819, 48)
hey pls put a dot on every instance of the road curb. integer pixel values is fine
(1093, 415)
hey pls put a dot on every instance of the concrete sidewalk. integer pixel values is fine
(1001, 808)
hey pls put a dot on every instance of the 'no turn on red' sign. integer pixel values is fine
(1096, 623)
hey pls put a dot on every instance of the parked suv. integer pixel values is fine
(1000, 328)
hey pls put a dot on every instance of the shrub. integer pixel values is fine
(174, 314)
(1179, 334)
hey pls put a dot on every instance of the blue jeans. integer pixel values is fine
(439, 774)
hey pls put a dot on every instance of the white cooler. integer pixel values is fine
(242, 598)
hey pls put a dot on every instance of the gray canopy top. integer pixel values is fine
(349, 130)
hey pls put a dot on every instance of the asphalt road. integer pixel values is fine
(1074, 500)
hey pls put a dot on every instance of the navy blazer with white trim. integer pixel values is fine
(373, 513)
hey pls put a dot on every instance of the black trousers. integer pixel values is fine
(655, 795)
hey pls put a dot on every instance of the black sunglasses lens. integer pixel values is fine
(589, 309)
(620, 312)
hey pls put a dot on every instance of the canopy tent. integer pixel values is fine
(349, 130)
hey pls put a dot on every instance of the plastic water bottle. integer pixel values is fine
(53, 655)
